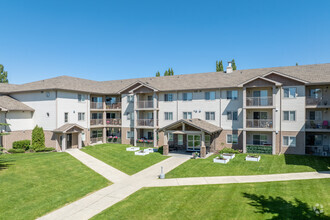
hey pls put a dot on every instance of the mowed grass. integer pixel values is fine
(37, 183)
(271, 200)
(269, 164)
(116, 155)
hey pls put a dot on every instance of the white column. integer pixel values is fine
(244, 97)
(79, 141)
(64, 142)
(203, 139)
(135, 119)
(135, 136)
(155, 137)
(274, 142)
(244, 141)
(104, 135)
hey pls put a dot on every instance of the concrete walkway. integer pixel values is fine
(125, 185)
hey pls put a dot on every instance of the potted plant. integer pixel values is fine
(220, 159)
(253, 157)
(141, 153)
(195, 155)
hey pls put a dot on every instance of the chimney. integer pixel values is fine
(229, 68)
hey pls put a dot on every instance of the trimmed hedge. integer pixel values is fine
(259, 149)
(24, 144)
(46, 149)
(229, 151)
(14, 151)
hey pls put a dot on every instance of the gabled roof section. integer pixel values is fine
(67, 127)
(136, 85)
(260, 78)
(196, 123)
(8, 103)
(285, 76)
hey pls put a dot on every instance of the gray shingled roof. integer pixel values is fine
(67, 127)
(316, 73)
(11, 104)
(197, 123)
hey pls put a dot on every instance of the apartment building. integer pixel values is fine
(283, 109)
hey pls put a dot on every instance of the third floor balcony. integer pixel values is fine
(259, 123)
(145, 104)
(259, 101)
(146, 122)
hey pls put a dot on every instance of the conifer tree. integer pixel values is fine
(3, 75)
(158, 74)
(233, 64)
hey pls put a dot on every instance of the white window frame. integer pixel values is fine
(168, 116)
(129, 134)
(81, 116)
(210, 116)
(170, 137)
(208, 96)
(168, 95)
(66, 117)
(180, 139)
(187, 99)
(231, 97)
(81, 97)
(291, 141)
(231, 118)
(130, 98)
(232, 138)
(289, 116)
(287, 91)
(187, 113)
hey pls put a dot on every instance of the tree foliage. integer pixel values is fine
(158, 74)
(219, 66)
(169, 72)
(3, 75)
(38, 138)
(233, 64)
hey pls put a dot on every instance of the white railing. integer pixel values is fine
(116, 105)
(317, 101)
(146, 122)
(96, 139)
(313, 124)
(96, 105)
(96, 121)
(259, 101)
(113, 121)
(259, 123)
(145, 104)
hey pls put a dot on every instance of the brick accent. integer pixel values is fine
(165, 150)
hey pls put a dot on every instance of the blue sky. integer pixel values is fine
(105, 40)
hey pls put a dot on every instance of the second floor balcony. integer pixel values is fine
(113, 121)
(317, 101)
(96, 105)
(317, 124)
(116, 105)
(259, 101)
(145, 104)
(259, 123)
(146, 122)
(96, 122)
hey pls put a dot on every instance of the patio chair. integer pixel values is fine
(312, 124)
(325, 125)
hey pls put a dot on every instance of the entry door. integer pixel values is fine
(193, 142)
(69, 141)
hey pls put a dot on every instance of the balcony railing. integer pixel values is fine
(259, 101)
(96, 105)
(259, 123)
(145, 104)
(96, 121)
(96, 139)
(113, 105)
(113, 121)
(317, 101)
(313, 124)
(146, 122)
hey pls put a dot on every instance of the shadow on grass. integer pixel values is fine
(5, 163)
(316, 162)
(284, 209)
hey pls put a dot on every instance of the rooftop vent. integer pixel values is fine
(229, 68)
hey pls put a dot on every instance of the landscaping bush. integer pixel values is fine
(38, 139)
(259, 149)
(160, 150)
(229, 151)
(24, 144)
(1, 150)
(46, 149)
(14, 151)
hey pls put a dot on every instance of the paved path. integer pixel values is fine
(125, 185)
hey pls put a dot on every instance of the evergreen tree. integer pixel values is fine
(233, 64)
(158, 73)
(3, 75)
(297, 64)
(172, 72)
(166, 73)
(220, 66)
(38, 139)
(217, 66)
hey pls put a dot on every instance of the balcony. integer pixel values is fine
(145, 104)
(146, 122)
(95, 140)
(317, 101)
(116, 105)
(113, 121)
(259, 123)
(96, 105)
(317, 125)
(96, 122)
(259, 101)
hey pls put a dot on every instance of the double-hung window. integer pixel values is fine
(187, 96)
(315, 115)
(81, 98)
(210, 116)
(290, 92)
(209, 95)
(232, 94)
(168, 116)
(187, 115)
(289, 115)
(130, 134)
(81, 116)
(232, 139)
(289, 141)
(66, 117)
(232, 115)
(168, 97)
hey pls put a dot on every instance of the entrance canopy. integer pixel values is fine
(184, 125)
(69, 128)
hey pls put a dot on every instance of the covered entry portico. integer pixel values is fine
(190, 135)
(69, 136)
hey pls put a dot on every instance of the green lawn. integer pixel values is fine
(116, 155)
(272, 200)
(238, 166)
(36, 183)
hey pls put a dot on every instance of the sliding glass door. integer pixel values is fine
(193, 142)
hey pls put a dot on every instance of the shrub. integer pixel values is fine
(160, 150)
(259, 149)
(229, 151)
(38, 138)
(45, 149)
(24, 144)
(1, 150)
(14, 151)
